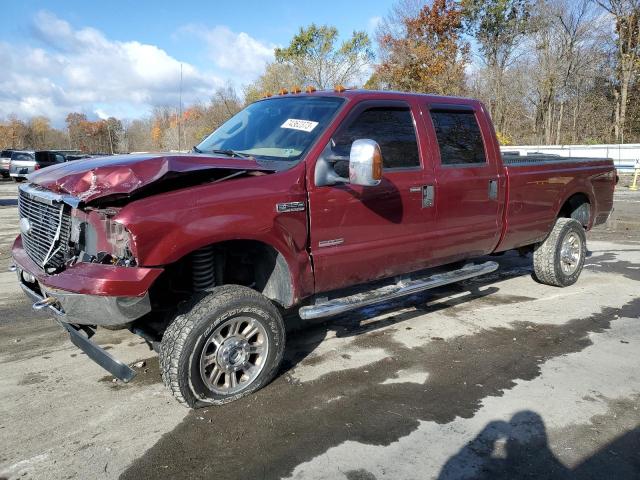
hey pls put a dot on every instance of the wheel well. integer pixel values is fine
(249, 263)
(256, 265)
(577, 207)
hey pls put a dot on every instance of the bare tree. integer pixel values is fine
(626, 14)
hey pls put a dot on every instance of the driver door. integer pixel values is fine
(358, 233)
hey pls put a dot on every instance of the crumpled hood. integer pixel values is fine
(99, 177)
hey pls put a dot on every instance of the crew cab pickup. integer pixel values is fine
(317, 202)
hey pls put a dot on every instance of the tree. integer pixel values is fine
(626, 14)
(75, 122)
(316, 59)
(38, 132)
(499, 26)
(276, 76)
(425, 53)
(566, 58)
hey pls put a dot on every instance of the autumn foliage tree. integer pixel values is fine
(426, 53)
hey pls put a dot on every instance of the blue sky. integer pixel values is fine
(122, 58)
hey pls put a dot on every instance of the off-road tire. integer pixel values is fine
(547, 255)
(185, 337)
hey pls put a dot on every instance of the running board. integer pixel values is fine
(390, 292)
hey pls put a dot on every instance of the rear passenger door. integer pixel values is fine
(468, 197)
(363, 233)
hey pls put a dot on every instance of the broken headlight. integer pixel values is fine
(99, 239)
(119, 239)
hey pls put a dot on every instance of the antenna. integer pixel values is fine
(180, 112)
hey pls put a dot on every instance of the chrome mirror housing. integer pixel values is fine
(365, 163)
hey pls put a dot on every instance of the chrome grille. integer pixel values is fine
(46, 240)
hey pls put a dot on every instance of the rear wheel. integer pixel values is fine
(224, 346)
(558, 261)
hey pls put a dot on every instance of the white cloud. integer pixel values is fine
(82, 70)
(239, 54)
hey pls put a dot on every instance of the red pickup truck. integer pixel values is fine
(319, 201)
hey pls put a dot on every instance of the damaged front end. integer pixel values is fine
(78, 265)
(75, 257)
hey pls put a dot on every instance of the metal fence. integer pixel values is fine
(624, 156)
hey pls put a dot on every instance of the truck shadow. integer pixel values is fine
(520, 448)
(305, 337)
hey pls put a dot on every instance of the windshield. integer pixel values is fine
(275, 129)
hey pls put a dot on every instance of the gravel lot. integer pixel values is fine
(498, 377)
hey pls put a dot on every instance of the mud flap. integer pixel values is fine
(99, 355)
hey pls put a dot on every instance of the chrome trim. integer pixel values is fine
(46, 196)
(390, 292)
(84, 309)
(362, 156)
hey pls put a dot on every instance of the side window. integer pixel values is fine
(391, 127)
(459, 137)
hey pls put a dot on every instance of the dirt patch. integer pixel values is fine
(32, 378)
(148, 374)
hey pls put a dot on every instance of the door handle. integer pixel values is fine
(493, 189)
(428, 194)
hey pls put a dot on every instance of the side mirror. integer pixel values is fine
(365, 163)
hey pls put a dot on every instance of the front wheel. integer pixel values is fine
(226, 345)
(558, 260)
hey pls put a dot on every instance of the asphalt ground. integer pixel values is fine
(496, 377)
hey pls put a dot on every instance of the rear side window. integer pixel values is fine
(459, 137)
(21, 156)
(391, 127)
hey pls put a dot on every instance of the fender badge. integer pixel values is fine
(330, 243)
(290, 207)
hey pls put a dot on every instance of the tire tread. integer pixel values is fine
(544, 255)
(177, 334)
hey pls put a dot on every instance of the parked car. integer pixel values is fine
(5, 161)
(25, 162)
(22, 163)
(321, 202)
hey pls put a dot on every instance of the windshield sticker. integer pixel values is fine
(295, 124)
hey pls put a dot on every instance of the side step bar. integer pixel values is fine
(390, 292)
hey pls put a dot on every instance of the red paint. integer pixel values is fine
(384, 230)
(91, 278)
(99, 177)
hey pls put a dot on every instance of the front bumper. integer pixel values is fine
(87, 293)
(96, 353)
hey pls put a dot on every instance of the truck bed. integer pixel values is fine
(540, 184)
